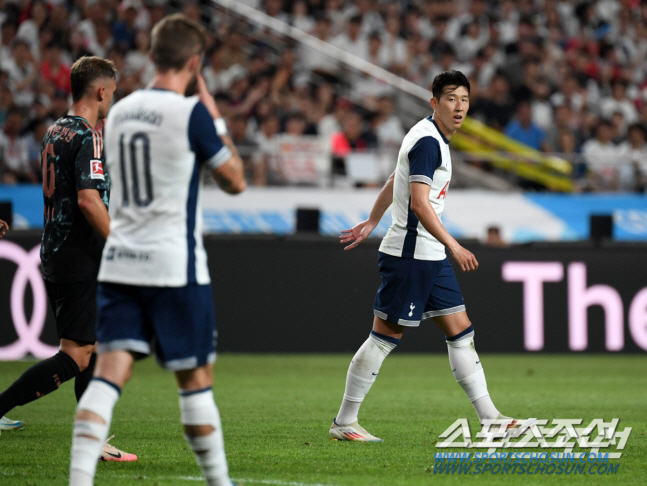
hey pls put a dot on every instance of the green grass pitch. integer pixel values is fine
(276, 411)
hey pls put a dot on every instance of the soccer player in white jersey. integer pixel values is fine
(155, 293)
(418, 281)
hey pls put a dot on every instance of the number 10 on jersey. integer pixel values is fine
(135, 162)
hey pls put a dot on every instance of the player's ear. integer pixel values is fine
(101, 93)
(193, 62)
(434, 103)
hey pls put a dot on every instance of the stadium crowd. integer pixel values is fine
(568, 77)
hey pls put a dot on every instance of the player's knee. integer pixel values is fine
(80, 354)
(198, 410)
(198, 430)
(83, 414)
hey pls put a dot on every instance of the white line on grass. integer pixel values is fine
(277, 482)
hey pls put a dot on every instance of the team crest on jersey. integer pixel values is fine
(96, 170)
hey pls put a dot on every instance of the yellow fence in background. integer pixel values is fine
(492, 146)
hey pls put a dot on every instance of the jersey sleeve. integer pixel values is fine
(424, 159)
(204, 140)
(89, 162)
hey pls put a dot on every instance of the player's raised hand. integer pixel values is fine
(357, 234)
(3, 228)
(465, 259)
(206, 98)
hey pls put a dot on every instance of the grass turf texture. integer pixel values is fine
(276, 412)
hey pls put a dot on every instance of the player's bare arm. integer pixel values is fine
(94, 210)
(3, 228)
(361, 231)
(229, 176)
(421, 206)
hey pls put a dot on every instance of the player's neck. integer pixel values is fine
(85, 110)
(170, 80)
(443, 129)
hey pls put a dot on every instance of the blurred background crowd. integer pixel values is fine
(565, 77)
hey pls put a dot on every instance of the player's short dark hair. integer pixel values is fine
(174, 40)
(449, 78)
(88, 69)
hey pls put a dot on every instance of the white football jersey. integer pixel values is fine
(157, 145)
(423, 157)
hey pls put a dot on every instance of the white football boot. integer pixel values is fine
(352, 431)
(8, 424)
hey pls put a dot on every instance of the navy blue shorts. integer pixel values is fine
(414, 290)
(177, 323)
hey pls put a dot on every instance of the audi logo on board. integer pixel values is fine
(28, 329)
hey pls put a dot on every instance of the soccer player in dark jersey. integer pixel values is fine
(76, 190)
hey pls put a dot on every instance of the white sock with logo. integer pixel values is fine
(362, 372)
(198, 407)
(469, 374)
(89, 436)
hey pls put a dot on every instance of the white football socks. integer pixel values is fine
(362, 372)
(89, 436)
(469, 374)
(199, 408)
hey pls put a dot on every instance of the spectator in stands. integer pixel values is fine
(274, 8)
(475, 37)
(523, 129)
(619, 127)
(76, 46)
(352, 138)
(332, 123)
(247, 147)
(59, 24)
(493, 237)
(394, 45)
(570, 91)
(295, 124)
(314, 60)
(37, 18)
(416, 24)
(23, 73)
(542, 108)
(267, 171)
(94, 15)
(215, 72)
(138, 60)
(235, 47)
(352, 40)
(495, 109)
(7, 34)
(563, 121)
(124, 30)
(376, 53)
(633, 153)
(618, 102)
(300, 18)
(386, 125)
(54, 69)
(566, 149)
(602, 157)
(371, 18)
(6, 102)
(15, 151)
